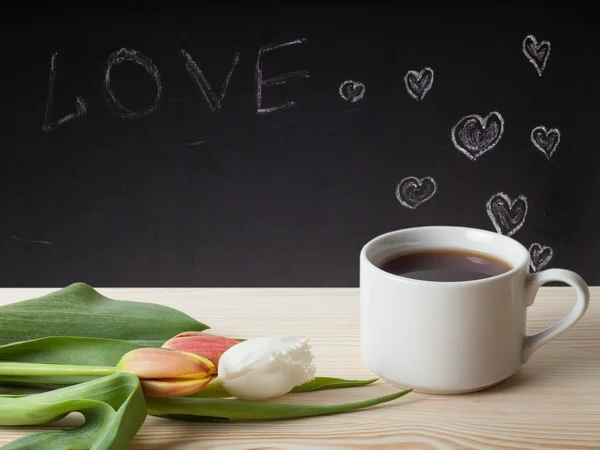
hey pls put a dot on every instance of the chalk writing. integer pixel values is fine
(474, 135)
(413, 191)
(31, 241)
(539, 256)
(275, 81)
(418, 84)
(537, 54)
(80, 103)
(352, 91)
(130, 55)
(545, 140)
(198, 77)
(507, 215)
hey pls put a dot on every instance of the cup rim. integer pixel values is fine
(523, 265)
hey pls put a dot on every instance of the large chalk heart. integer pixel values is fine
(536, 53)
(352, 91)
(413, 191)
(539, 256)
(418, 83)
(507, 215)
(474, 135)
(545, 140)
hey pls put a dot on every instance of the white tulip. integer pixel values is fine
(266, 367)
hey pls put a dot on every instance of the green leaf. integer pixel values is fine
(113, 406)
(68, 350)
(79, 310)
(42, 382)
(317, 384)
(12, 391)
(223, 410)
(323, 383)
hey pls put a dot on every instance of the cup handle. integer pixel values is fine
(534, 282)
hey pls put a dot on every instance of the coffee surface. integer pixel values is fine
(445, 265)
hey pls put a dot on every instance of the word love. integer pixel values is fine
(214, 101)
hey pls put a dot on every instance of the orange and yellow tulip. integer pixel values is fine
(168, 373)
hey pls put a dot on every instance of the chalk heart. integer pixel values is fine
(418, 84)
(352, 91)
(545, 140)
(536, 53)
(474, 135)
(413, 191)
(540, 256)
(507, 215)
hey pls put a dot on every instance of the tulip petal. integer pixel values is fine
(152, 363)
(204, 344)
(173, 387)
(274, 380)
(266, 367)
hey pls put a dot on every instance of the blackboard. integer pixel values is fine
(228, 145)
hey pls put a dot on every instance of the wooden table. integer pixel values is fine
(553, 402)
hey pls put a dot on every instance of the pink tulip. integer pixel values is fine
(203, 344)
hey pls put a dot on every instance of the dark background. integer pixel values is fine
(286, 199)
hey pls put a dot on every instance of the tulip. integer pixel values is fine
(167, 373)
(266, 367)
(203, 344)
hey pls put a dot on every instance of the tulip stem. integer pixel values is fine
(34, 369)
(224, 410)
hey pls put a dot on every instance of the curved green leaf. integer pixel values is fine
(79, 310)
(226, 410)
(317, 384)
(323, 383)
(113, 406)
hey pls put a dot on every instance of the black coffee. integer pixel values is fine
(445, 265)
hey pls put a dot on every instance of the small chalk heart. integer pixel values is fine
(418, 84)
(413, 191)
(536, 53)
(507, 215)
(352, 91)
(539, 256)
(545, 140)
(474, 135)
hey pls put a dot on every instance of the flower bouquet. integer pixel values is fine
(116, 362)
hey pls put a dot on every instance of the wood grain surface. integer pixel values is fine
(553, 402)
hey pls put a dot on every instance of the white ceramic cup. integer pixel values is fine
(453, 337)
